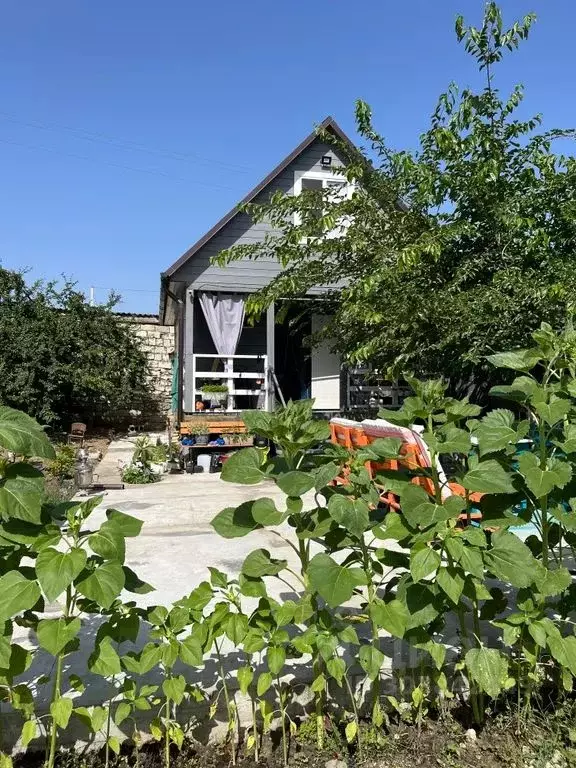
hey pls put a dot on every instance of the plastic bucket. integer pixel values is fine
(203, 460)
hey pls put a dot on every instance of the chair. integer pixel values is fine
(414, 455)
(77, 433)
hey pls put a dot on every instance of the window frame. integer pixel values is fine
(324, 176)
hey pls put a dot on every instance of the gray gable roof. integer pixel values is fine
(328, 124)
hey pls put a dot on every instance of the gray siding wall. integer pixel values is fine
(249, 276)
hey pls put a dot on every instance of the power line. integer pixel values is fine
(132, 290)
(103, 138)
(153, 172)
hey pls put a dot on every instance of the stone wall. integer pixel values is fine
(158, 343)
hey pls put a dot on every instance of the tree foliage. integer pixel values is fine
(63, 359)
(445, 253)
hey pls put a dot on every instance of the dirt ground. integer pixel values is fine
(438, 744)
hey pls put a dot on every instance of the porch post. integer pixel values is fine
(189, 373)
(270, 328)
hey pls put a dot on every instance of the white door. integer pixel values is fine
(325, 372)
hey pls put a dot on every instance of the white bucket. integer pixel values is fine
(203, 460)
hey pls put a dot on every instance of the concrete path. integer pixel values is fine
(177, 543)
(172, 552)
(118, 454)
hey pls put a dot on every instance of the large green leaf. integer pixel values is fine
(260, 563)
(423, 562)
(542, 481)
(174, 688)
(352, 514)
(335, 583)
(263, 684)
(17, 594)
(201, 596)
(104, 660)
(384, 448)
(454, 440)
(488, 668)
(29, 732)
(244, 675)
(555, 582)
(264, 512)
(391, 617)
(471, 561)
(103, 585)
(55, 634)
(23, 435)
(412, 498)
(92, 717)
(276, 658)
(421, 605)
(235, 522)
(295, 483)
(127, 525)
(496, 431)
(61, 709)
(21, 493)
(134, 583)
(488, 477)
(517, 360)
(554, 411)
(57, 570)
(371, 660)
(244, 467)
(236, 628)
(510, 560)
(451, 581)
(190, 652)
(108, 542)
(149, 657)
(325, 474)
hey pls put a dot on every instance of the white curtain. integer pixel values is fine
(224, 315)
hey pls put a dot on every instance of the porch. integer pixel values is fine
(229, 364)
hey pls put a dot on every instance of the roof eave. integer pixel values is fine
(327, 124)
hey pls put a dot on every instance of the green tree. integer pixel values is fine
(63, 359)
(446, 253)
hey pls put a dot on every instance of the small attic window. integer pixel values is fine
(338, 186)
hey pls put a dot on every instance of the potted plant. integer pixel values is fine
(200, 431)
(173, 458)
(216, 393)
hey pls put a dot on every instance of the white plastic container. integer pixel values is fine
(203, 460)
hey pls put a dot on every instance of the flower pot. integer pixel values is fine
(202, 439)
(215, 397)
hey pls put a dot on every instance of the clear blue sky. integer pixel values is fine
(128, 127)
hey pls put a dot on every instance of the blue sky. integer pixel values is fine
(128, 128)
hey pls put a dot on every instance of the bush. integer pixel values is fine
(136, 474)
(63, 464)
(64, 360)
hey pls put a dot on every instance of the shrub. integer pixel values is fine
(64, 360)
(138, 475)
(62, 465)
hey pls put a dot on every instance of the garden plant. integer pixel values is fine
(421, 598)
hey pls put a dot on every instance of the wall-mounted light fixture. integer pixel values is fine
(326, 160)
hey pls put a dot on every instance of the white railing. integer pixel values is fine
(231, 376)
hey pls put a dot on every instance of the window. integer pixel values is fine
(337, 186)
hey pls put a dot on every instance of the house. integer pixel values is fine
(205, 303)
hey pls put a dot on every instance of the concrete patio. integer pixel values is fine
(177, 542)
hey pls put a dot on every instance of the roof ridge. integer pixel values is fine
(328, 123)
